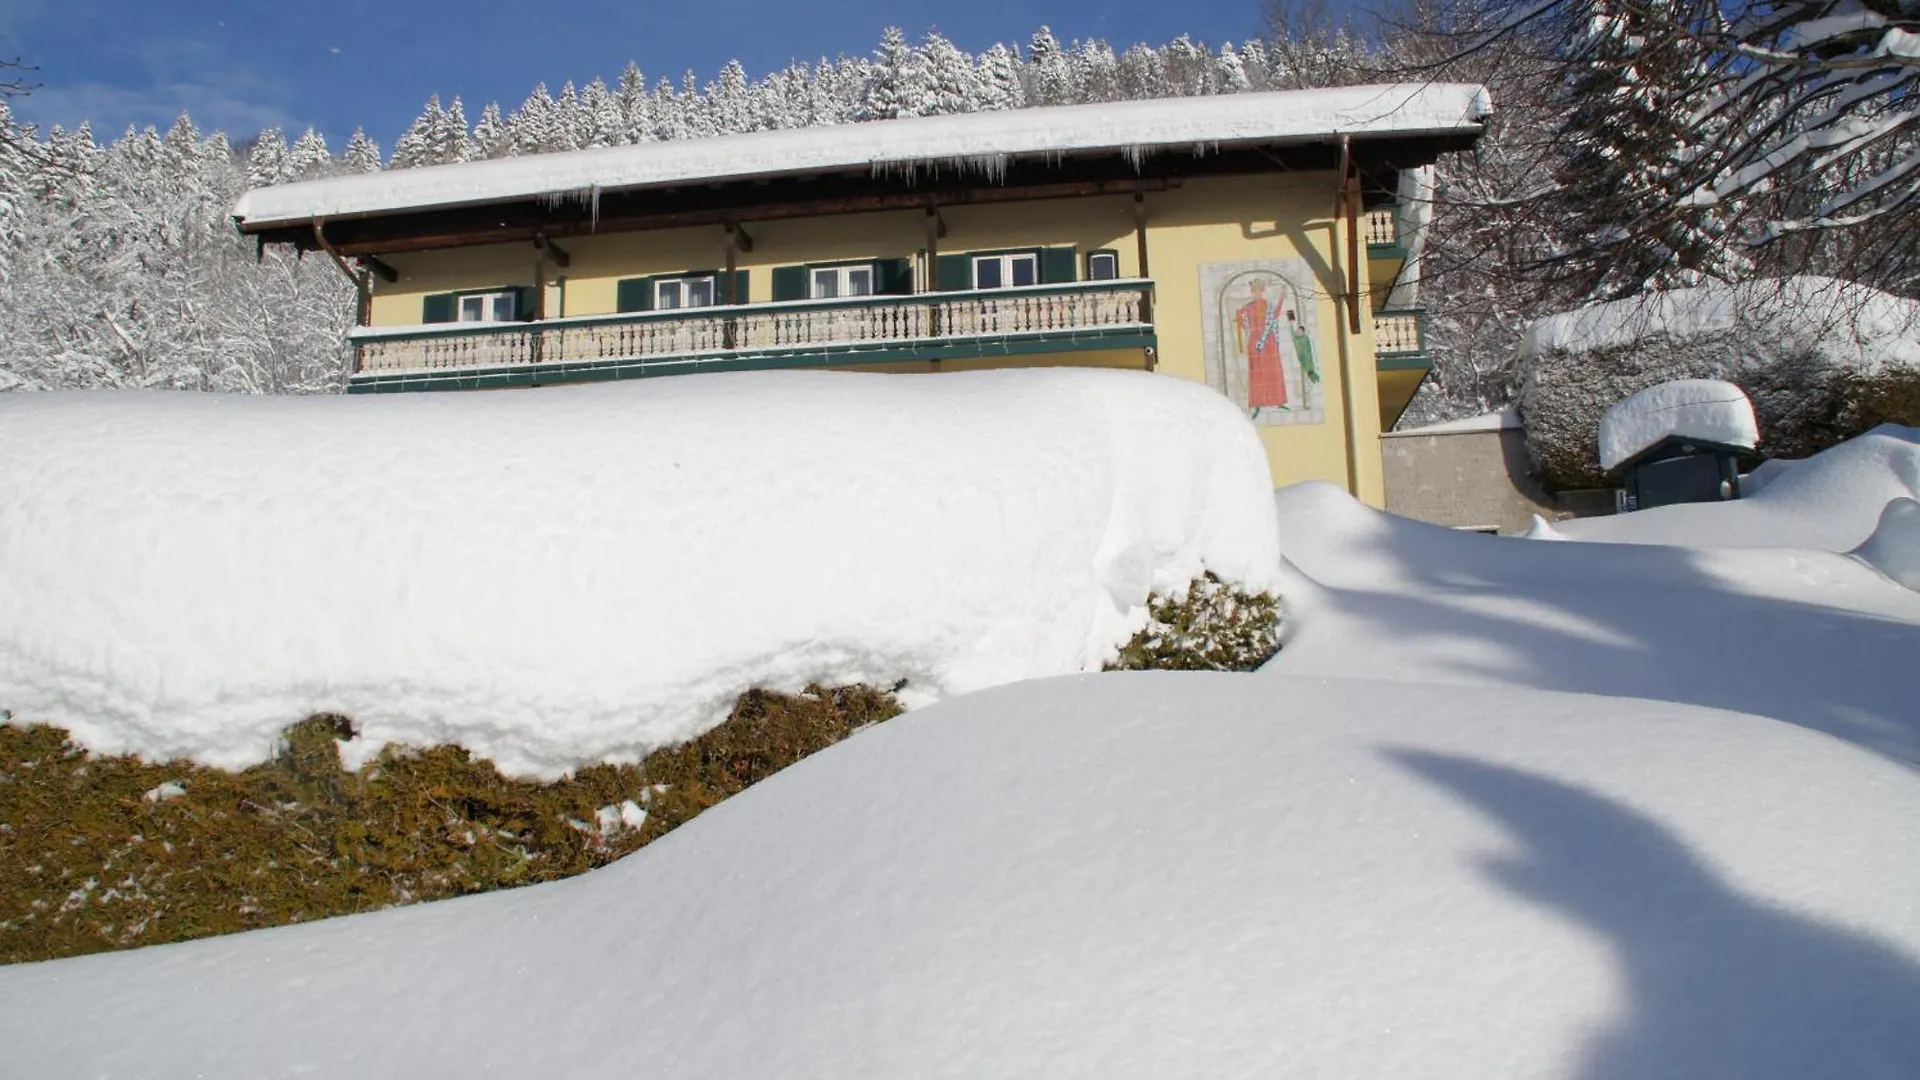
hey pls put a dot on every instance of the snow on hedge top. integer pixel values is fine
(979, 140)
(1705, 409)
(587, 573)
(1852, 325)
(1157, 874)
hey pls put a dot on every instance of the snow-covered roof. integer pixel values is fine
(980, 141)
(1706, 409)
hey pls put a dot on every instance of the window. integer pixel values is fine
(683, 292)
(831, 281)
(1103, 266)
(488, 307)
(1007, 271)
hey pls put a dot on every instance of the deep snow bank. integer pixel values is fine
(573, 574)
(1821, 360)
(1831, 501)
(1812, 637)
(1237, 876)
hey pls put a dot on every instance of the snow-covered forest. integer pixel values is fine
(1636, 145)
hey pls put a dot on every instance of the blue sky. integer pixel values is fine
(242, 66)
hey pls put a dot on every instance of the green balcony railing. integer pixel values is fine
(850, 330)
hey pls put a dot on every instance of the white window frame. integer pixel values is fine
(1095, 258)
(842, 278)
(679, 285)
(502, 305)
(1006, 263)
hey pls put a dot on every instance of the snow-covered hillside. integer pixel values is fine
(580, 574)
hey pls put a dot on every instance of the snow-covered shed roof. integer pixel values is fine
(1706, 410)
(984, 142)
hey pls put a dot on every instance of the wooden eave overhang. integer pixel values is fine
(551, 216)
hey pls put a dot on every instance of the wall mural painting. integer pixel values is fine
(1261, 329)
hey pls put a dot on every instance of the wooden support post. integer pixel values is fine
(1347, 205)
(1140, 243)
(739, 237)
(730, 329)
(936, 228)
(552, 250)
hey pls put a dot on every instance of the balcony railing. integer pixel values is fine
(1398, 334)
(1381, 226)
(853, 330)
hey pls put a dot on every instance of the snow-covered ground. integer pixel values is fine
(1831, 501)
(1401, 849)
(590, 573)
(1120, 876)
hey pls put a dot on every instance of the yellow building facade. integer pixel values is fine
(1262, 269)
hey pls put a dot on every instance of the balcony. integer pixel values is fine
(802, 333)
(1400, 339)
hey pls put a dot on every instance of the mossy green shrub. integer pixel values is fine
(1214, 627)
(113, 852)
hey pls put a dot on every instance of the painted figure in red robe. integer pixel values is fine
(1259, 333)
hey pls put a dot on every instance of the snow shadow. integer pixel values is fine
(1410, 601)
(1716, 984)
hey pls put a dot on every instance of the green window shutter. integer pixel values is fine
(954, 273)
(1058, 265)
(437, 307)
(742, 288)
(893, 277)
(526, 303)
(634, 294)
(789, 283)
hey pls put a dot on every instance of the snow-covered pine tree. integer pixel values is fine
(1049, 77)
(309, 157)
(606, 121)
(534, 125)
(267, 159)
(1140, 75)
(729, 102)
(362, 154)
(947, 78)
(997, 80)
(890, 79)
(1096, 71)
(572, 127)
(1189, 67)
(1230, 76)
(492, 138)
(636, 107)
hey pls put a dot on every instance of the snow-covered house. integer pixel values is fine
(1251, 241)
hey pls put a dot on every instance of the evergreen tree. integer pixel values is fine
(1230, 76)
(362, 154)
(636, 107)
(997, 81)
(728, 101)
(1049, 81)
(891, 79)
(492, 138)
(309, 156)
(267, 160)
(946, 81)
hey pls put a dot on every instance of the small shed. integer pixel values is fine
(1679, 442)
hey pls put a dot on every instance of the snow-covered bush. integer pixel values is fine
(1822, 361)
(1213, 627)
